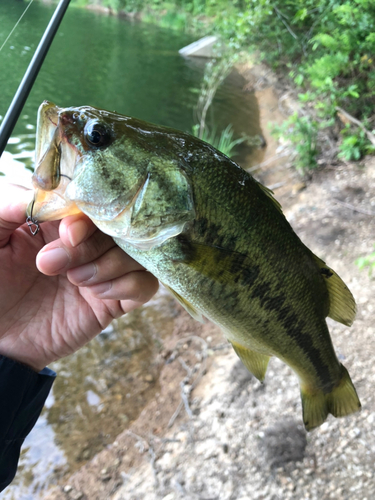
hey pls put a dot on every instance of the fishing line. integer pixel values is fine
(15, 26)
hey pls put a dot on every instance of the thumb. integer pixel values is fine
(13, 203)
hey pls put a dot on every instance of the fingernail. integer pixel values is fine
(82, 273)
(77, 232)
(54, 260)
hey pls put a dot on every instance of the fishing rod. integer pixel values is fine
(30, 75)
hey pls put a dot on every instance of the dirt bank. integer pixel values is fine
(212, 430)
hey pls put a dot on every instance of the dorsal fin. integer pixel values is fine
(269, 193)
(342, 306)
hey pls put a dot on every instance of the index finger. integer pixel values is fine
(13, 203)
(75, 229)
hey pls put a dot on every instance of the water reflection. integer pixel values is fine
(14, 170)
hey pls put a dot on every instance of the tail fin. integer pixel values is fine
(341, 401)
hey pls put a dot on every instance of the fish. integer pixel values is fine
(212, 234)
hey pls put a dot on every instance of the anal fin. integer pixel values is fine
(256, 363)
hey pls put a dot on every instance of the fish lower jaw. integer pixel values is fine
(49, 206)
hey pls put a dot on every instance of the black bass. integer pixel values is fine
(212, 234)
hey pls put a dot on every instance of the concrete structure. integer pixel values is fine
(201, 48)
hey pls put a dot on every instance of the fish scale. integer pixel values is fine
(213, 235)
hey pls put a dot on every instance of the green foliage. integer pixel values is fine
(128, 6)
(216, 71)
(114, 5)
(302, 133)
(80, 3)
(367, 261)
(223, 142)
(326, 46)
(354, 144)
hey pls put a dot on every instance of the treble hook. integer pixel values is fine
(31, 222)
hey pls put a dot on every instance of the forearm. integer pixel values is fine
(22, 396)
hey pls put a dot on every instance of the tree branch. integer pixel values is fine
(370, 135)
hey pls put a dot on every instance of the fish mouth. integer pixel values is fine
(55, 160)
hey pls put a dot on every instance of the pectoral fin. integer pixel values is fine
(164, 202)
(256, 363)
(342, 306)
(185, 304)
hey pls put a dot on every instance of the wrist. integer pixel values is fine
(33, 362)
(18, 362)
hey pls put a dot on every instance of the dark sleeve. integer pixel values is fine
(22, 396)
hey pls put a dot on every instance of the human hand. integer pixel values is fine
(51, 309)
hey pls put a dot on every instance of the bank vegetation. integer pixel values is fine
(326, 48)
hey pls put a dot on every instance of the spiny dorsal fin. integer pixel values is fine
(256, 363)
(185, 304)
(269, 193)
(342, 306)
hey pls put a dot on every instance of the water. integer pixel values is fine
(109, 63)
(136, 70)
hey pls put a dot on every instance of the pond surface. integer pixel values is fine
(110, 63)
(136, 70)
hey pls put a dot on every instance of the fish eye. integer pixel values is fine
(97, 134)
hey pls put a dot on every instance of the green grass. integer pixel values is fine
(224, 142)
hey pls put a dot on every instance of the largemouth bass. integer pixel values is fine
(212, 234)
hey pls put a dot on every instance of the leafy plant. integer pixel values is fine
(215, 73)
(354, 144)
(223, 142)
(326, 47)
(302, 133)
(367, 261)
